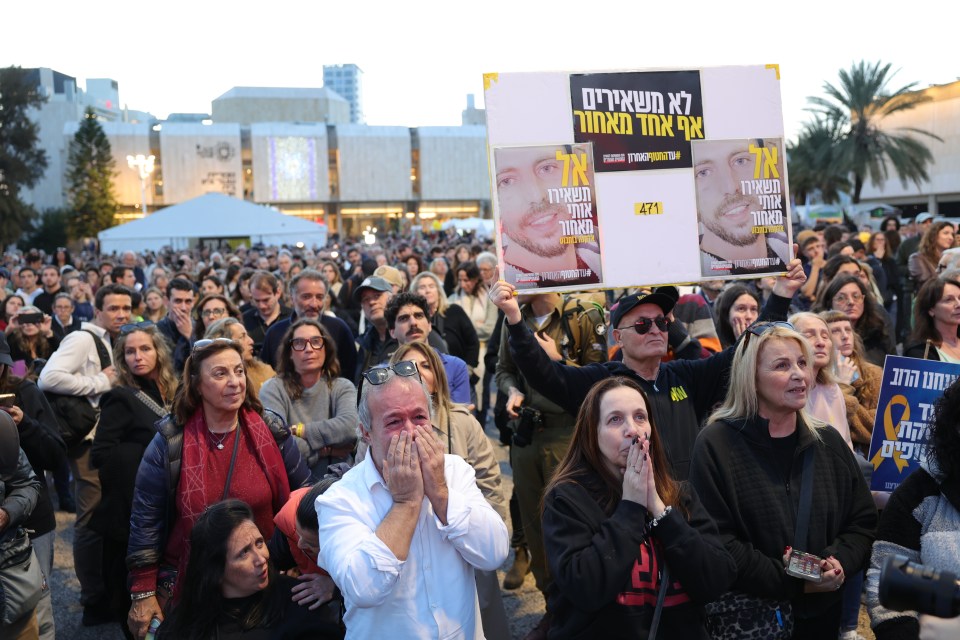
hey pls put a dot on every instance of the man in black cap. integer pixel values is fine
(681, 392)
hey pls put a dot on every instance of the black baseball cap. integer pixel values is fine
(663, 297)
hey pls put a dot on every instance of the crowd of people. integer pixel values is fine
(265, 442)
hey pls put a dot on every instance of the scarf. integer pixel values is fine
(192, 495)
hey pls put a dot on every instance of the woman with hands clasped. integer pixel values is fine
(629, 548)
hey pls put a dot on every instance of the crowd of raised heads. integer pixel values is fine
(305, 442)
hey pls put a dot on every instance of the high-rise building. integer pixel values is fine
(347, 80)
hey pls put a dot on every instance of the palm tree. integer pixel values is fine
(857, 107)
(811, 162)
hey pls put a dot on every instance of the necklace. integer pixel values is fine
(219, 443)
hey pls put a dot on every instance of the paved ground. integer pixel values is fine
(524, 606)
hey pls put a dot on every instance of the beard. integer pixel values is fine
(548, 249)
(736, 236)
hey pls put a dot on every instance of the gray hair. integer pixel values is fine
(221, 329)
(486, 257)
(365, 417)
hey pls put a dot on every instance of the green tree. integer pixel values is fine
(811, 161)
(49, 232)
(90, 172)
(22, 162)
(857, 107)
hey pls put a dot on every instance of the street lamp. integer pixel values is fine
(144, 166)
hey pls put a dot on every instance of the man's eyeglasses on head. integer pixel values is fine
(643, 325)
(200, 345)
(135, 326)
(300, 344)
(379, 375)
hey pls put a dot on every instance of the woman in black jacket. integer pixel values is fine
(748, 468)
(142, 395)
(617, 529)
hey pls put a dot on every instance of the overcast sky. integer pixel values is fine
(421, 59)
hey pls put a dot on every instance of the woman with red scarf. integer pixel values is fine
(217, 443)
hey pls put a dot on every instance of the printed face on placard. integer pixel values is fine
(723, 207)
(523, 177)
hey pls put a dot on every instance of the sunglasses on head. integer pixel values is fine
(761, 328)
(135, 326)
(643, 325)
(200, 345)
(379, 375)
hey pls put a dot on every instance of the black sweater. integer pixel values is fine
(41, 442)
(606, 568)
(754, 502)
(125, 429)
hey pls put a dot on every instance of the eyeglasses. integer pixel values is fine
(200, 345)
(135, 326)
(760, 328)
(844, 298)
(643, 325)
(300, 344)
(213, 313)
(379, 375)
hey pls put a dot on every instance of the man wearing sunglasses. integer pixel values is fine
(404, 563)
(681, 392)
(74, 370)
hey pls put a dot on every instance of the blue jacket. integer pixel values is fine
(154, 505)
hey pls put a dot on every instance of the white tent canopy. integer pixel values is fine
(483, 227)
(211, 216)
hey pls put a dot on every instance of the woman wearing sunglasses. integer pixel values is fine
(142, 395)
(630, 549)
(308, 392)
(754, 468)
(217, 443)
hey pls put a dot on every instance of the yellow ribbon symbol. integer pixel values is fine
(890, 432)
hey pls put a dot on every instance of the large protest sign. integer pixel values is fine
(618, 179)
(908, 393)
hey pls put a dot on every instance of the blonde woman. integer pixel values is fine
(143, 394)
(758, 442)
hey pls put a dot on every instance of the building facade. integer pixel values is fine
(292, 149)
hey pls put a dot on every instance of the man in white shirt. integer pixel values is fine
(403, 531)
(74, 369)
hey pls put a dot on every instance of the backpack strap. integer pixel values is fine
(102, 352)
